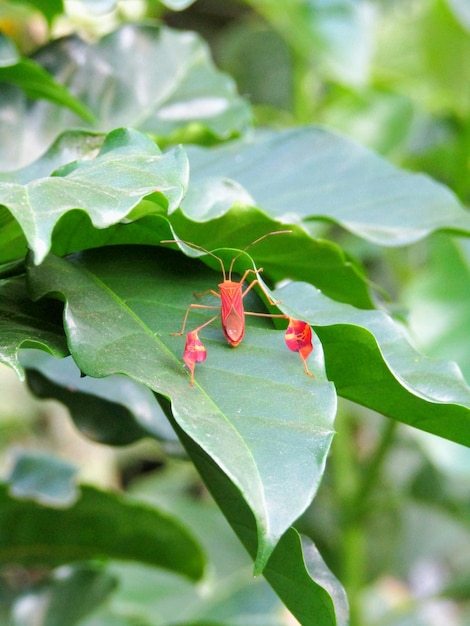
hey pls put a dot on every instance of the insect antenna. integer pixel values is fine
(197, 247)
(275, 232)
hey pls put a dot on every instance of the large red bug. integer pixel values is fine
(298, 335)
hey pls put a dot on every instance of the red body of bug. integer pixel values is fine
(298, 335)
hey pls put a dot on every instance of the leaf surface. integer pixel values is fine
(140, 533)
(303, 175)
(25, 324)
(115, 410)
(38, 84)
(295, 570)
(370, 360)
(128, 167)
(168, 86)
(122, 305)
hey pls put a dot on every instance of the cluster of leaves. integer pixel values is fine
(84, 205)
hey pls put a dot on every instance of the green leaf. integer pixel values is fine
(24, 324)
(28, 533)
(50, 8)
(303, 175)
(302, 581)
(297, 256)
(44, 479)
(371, 362)
(13, 244)
(69, 146)
(168, 86)
(38, 84)
(425, 57)
(122, 305)
(66, 597)
(128, 167)
(231, 594)
(439, 318)
(115, 410)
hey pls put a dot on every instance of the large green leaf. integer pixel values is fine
(151, 78)
(295, 570)
(70, 146)
(24, 324)
(139, 533)
(370, 360)
(308, 174)
(128, 167)
(122, 305)
(297, 256)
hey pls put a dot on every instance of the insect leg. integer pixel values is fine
(204, 293)
(261, 286)
(195, 306)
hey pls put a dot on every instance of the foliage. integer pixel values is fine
(136, 138)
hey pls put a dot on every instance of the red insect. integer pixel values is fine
(298, 335)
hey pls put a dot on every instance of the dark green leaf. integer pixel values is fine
(370, 360)
(24, 324)
(122, 305)
(305, 593)
(297, 256)
(115, 410)
(38, 84)
(28, 533)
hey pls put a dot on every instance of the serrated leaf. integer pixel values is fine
(28, 533)
(370, 360)
(122, 305)
(302, 175)
(24, 324)
(128, 167)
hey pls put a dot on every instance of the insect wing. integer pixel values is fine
(232, 312)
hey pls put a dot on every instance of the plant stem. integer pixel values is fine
(354, 487)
